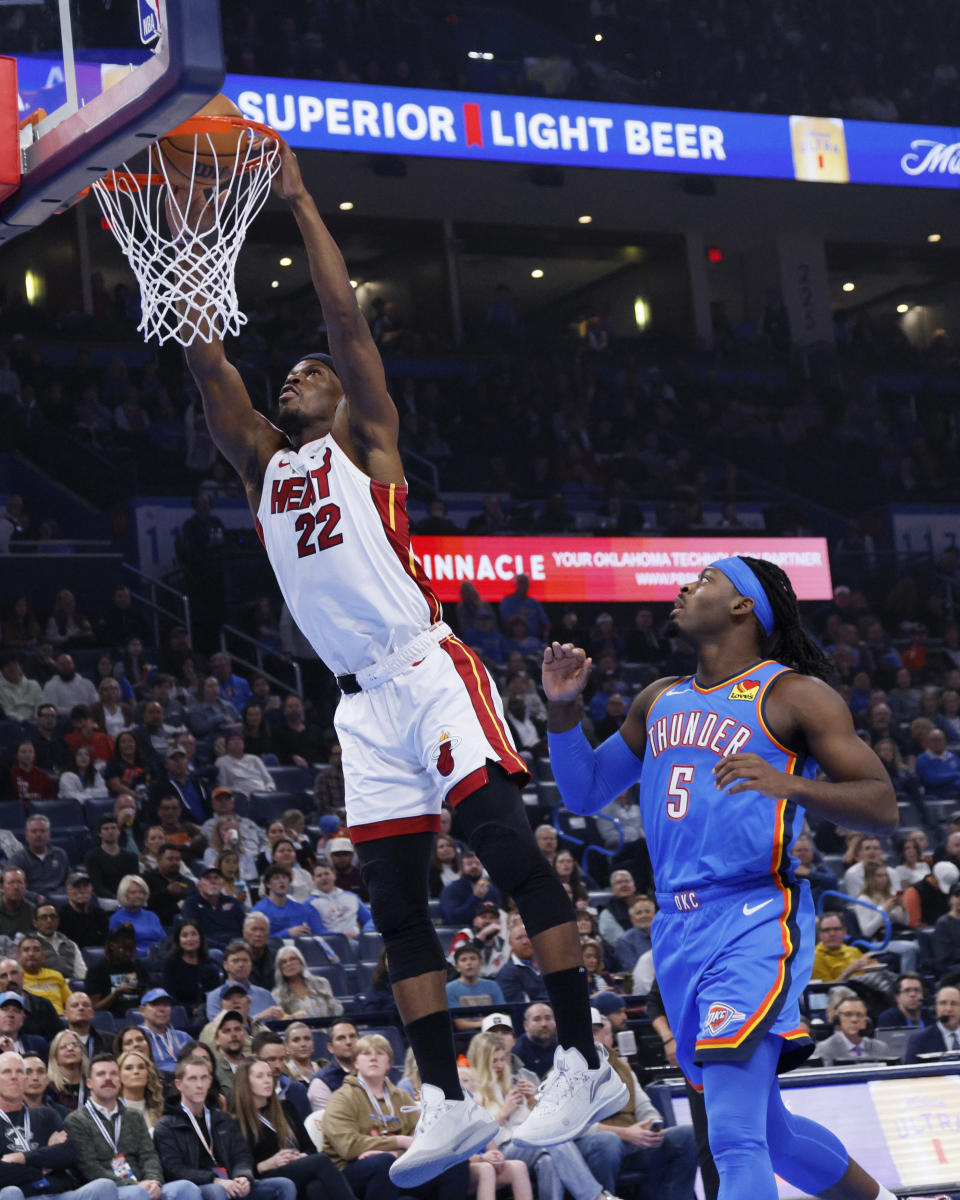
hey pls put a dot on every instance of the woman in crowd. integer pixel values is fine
(567, 870)
(275, 831)
(876, 889)
(365, 1128)
(493, 1088)
(81, 780)
(950, 716)
(118, 980)
(21, 629)
(280, 1145)
(67, 629)
(134, 667)
(132, 1037)
(285, 855)
(234, 885)
(300, 1064)
(188, 973)
(914, 864)
(111, 712)
(140, 1085)
(445, 864)
(599, 978)
(299, 993)
(126, 771)
(132, 896)
(379, 995)
(256, 732)
(905, 782)
(153, 841)
(67, 1067)
(226, 836)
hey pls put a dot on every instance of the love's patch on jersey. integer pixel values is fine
(719, 1017)
(745, 689)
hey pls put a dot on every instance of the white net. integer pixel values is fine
(182, 239)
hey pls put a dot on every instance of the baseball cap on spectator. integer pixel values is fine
(488, 906)
(494, 1021)
(234, 986)
(329, 824)
(340, 846)
(221, 791)
(608, 1002)
(156, 996)
(11, 998)
(947, 875)
(210, 871)
(232, 1014)
(174, 751)
(76, 877)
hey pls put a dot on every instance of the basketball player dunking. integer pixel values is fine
(420, 720)
(726, 759)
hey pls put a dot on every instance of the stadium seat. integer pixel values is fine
(336, 976)
(369, 946)
(96, 808)
(343, 947)
(104, 1021)
(292, 779)
(11, 733)
(265, 807)
(92, 955)
(12, 816)
(364, 977)
(64, 815)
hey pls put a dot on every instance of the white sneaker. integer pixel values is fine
(448, 1132)
(571, 1099)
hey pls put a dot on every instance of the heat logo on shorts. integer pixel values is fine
(443, 752)
(719, 1017)
(746, 689)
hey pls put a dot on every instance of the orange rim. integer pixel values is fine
(195, 125)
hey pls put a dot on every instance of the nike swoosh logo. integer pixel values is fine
(750, 909)
(680, 691)
(284, 462)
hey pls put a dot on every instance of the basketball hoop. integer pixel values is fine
(187, 274)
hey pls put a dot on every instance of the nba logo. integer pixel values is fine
(150, 26)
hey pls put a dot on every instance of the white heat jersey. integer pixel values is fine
(339, 544)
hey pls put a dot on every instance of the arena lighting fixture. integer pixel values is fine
(275, 283)
(536, 273)
(849, 287)
(598, 37)
(286, 262)
(346, 205)
(902, 308)
(585, 219)
(933, 237)
(641, 312)
(485, 55)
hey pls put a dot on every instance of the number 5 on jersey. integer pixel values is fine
(679, 792)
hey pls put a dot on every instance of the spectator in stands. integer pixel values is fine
(218, 916)
(820, 878)
(569, 872)
(13, 1016)
(547, 841)
(484, 637)
(60, 953)
(485, 934)
(112, 713)
(20, 629)
(179, 779)
(536, 1045)
(938, 767)
(285, 855)
(926, 901)
(50, 749)
(341, 1043)
(914, 866)
(299, 993)
(468, 990)
(642, 643)
(132, 896)
(269, 1048)
(529, 732)
(944, 1034)
(636, 941)
(230, 1049)
(666, 1157)
(67, 688)
(232, 883)
(168, 886)
(117, 981)
(165, 1041)
(233, 688)
(155, 736)
(108, 864)
(295, 742)
(19, 696)
(614, 917)
(140, 1083)
(211, 714)
(599, 978)
(850, 1040)
(328, 787)
(903, 698)
(133, 670)
(78, 1015)
(460, 900)
(223, 804)
(86, 733)
(300, 1063)
(870, 850)
(876, 889)
(46, 867)
(121, 621)
(340, 911)
(951, 848)
(257, 735)
(946, 935)
(444, 864)
(67, 1067)
(188, 973)
(832, 960)
(256, 934)
(240, 771)
(909, 1011)
(16, 913)
(295, 830)
(519, 637)
(237, 969)
(127, 770)
(177, 830)
(42, 1017)
(287, 917)
(36, 1090)
(162, 690)
(67, 627)
(27, 780)
(226, 837)
(81, 918)
(82, 780)
(520, 602)
(520, 979)
(340, 852)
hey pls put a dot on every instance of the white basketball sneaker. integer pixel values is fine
(448, 1132)
(572, 1098)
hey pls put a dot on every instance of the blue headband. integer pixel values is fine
(324, 358)
(747, 584)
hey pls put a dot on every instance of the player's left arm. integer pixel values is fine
(857, 792)
(371, 415)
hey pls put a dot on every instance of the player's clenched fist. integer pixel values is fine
(565, 672)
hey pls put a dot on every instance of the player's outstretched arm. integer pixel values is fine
(372, 414)
(857, 793)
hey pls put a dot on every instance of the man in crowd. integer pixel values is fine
(168, 885)
(288, 918)
(42, 1018)
(636, 941)
(230, 1048)
(19, 696)
(59, 952)
(944, 1034)
(819, 877)
(86, 733)
(908, 1012)
(232, 687)
(219, 916)
(179, 780)
(537, 1044)
(211, 715)
(346, 872)
(850, 1040)
(946, 935)
(938, 767)
(16, 913)
(242, 772)
(67, 689)
(223, 804)
(39, 980)
(256, 934)
(81, 918)
(548, 841)
(237, 965)
(177, 831)
(295, 742)
(37, 1080)
(78, 1015)
(50, 750)
(520, 979)
(486, 935)
(36, 1156)
(165, 1041)
(46, 867)
(108, 864)
(154, 735)
(460, 899)
(340, 911)
(613, 1008)
(467, 990)
(340, 1043)
(12, 1018)
(832, 960)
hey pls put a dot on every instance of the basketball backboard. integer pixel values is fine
(97, 83)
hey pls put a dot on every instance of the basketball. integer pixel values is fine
(207, 157)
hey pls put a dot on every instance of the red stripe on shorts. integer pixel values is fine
(475, 679)
(390, 501)
(427, 823)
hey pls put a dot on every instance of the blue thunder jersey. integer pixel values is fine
(698, 836)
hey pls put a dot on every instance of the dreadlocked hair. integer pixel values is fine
(789, 643)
